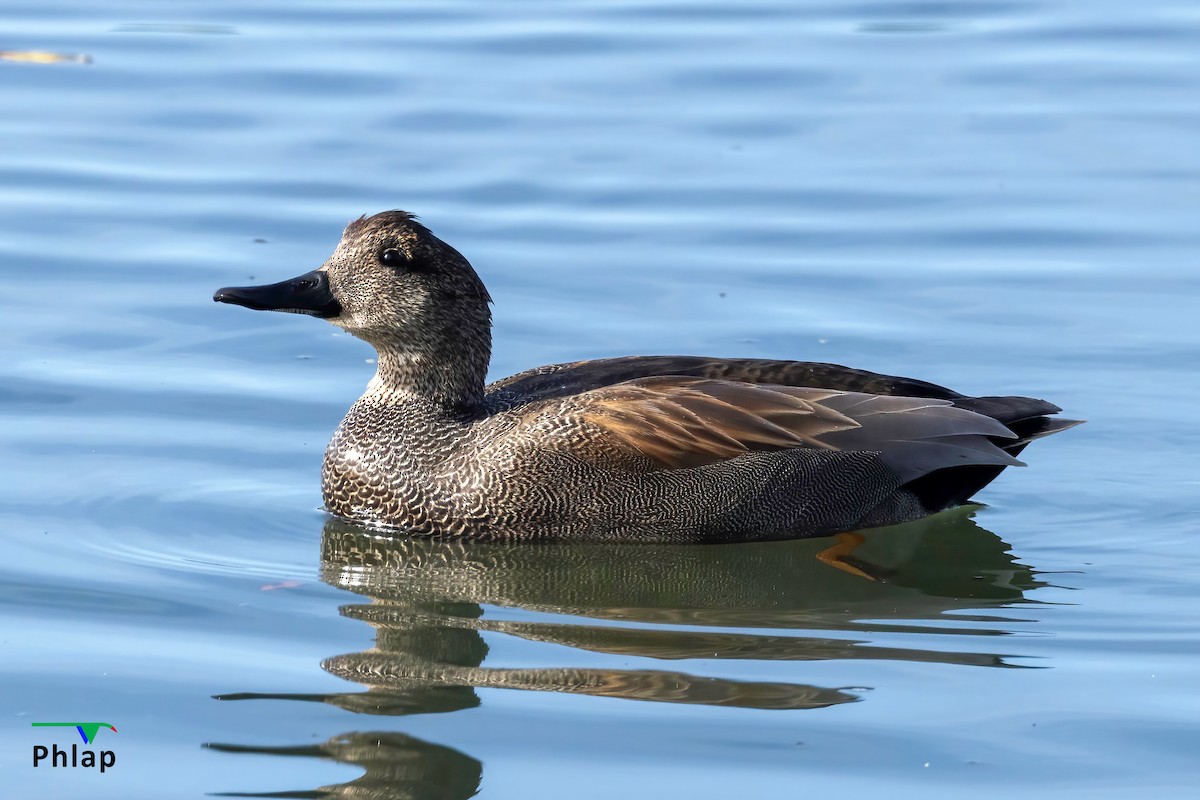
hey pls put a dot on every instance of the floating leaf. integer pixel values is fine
(44, 57)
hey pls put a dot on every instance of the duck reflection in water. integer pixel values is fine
(397, 767)
(432, 603)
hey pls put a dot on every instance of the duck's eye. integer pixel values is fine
(392, 258)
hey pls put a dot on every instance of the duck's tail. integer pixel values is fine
(1026, 417)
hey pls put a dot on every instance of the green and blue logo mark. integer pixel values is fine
(75, 757)
(87, 730)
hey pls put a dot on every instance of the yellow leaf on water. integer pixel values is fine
(44, 57)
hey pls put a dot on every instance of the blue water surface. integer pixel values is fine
(998, 196)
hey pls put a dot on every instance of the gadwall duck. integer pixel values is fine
(655, 448)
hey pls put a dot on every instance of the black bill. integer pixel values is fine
(306, 294)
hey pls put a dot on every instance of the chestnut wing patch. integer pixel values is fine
(687, 422)
(680, 422)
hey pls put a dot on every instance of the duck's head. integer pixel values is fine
(413, 297)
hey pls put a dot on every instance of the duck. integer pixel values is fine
(638, 448)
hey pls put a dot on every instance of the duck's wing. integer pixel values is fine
(560, 380)
(1026, 416)
(681, 422)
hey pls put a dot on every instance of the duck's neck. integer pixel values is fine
(449, 380)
